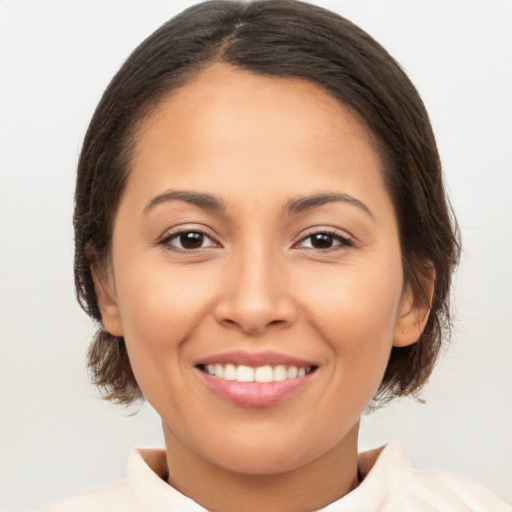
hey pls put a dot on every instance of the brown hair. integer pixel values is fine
(278, 38)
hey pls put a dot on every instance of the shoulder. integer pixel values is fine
(144, 489)
(427, 491)
(446, 491)
(110, 498)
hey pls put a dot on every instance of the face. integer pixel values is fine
(256, 241)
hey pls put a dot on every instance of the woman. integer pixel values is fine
(263, 236)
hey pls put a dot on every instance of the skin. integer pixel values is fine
(257, 283)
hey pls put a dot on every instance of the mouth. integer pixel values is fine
(255, 380)
(262, 374)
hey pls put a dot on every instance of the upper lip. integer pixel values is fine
(255, 359)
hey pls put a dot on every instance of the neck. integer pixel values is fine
(305, 488)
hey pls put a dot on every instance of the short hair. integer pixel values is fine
(280, 38)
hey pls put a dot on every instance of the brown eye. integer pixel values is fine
(188, 240)
(323, 240)
(191, 240)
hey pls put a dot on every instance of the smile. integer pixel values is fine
(262, 374)
(255, 380)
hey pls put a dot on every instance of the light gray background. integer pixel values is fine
(56, 437)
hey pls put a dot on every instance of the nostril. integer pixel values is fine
(254, 313)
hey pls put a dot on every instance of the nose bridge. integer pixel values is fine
(255, 272)
(255, 296)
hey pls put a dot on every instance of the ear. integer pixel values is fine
(107, 302)
(414, 312)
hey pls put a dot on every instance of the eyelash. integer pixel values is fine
(344, 242)
(167, 240)
(334, 236)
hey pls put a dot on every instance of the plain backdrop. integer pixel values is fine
(56, 436)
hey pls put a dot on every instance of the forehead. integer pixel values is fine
(232, 127)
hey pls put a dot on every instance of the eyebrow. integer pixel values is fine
(301, 204)
(293, 206)
(205, 201)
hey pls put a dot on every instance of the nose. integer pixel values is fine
(255, 296)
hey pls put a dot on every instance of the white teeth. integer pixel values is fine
(243, 374)
(292, 372)
(230, 372)
(265, 373)
(280, 373)
(219, 370)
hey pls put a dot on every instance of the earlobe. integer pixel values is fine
(107, 302)
(414, 313)
(409, 328)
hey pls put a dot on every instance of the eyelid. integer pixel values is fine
(170, 234)
(345, 239)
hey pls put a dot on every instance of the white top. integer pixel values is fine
(389, 485)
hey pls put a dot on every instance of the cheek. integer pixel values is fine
(356, 318)
(355, 309)
(160, 305)
(354, 300)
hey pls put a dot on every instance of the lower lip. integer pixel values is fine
(255, 394)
